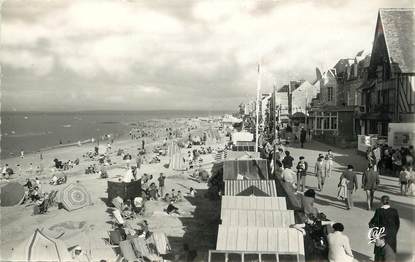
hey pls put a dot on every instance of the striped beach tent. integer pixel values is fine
(40, 247)
(176, 158)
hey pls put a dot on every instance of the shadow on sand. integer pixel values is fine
(200, 229)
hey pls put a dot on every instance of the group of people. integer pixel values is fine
(297, 179)
(390, 161)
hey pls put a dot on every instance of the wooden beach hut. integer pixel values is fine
(253, 203)
(244, 146)
(250, 187)
(257, 244)
(257, 218)
(248, 169)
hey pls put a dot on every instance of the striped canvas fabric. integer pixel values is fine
(260, 239)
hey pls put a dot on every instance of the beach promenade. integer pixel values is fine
(356, 220)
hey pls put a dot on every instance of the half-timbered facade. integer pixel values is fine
(388, 94)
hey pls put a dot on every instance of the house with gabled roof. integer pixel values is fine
(388, 95)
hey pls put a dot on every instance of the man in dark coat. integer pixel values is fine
(303, 135)
(287, 162)
(386, 217)
(351, 185)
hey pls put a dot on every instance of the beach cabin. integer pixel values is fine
(250, 187)
(257, 244)
(244, 146)
(236, 155)
(245, 169)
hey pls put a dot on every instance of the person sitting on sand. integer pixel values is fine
(179, 196)
(152, 191)
(54, 180)
(35, 194)
(173, 195)
(167, 197)
(192, 192)
(171, 209)
(138, 205)
(28, 184)
(127, 209)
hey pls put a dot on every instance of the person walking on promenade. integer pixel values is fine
(388, 218)
(376, 153)
(318, 169)
(370, 182)
(302, 167)
(303, 135)
(328, 165)
(287, 162)
(404, 176)
(351, 185)
(339, 245)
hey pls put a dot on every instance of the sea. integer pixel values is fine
(35, 131)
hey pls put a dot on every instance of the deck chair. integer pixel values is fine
(52, 197)
(117, 202)
(161, 242)
(127, 251)
(115, 237)
(118, 217)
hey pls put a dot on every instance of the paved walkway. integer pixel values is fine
(356, 220)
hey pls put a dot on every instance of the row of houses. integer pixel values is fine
(359, 95)
(362, 95)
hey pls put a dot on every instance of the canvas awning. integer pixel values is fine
(260, 240)
(250, 187)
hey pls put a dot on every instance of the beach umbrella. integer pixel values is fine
(39, 247)
(75, 196)
(11, 194)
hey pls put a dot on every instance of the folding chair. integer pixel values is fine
(115, 237)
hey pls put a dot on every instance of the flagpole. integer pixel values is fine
(257, 106)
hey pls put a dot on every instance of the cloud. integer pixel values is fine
(40, 65)
(152, 53)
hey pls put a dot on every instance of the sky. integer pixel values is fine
(171, 55)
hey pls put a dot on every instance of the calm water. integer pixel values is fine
(31, 131)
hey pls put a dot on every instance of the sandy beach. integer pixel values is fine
(89, 226)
